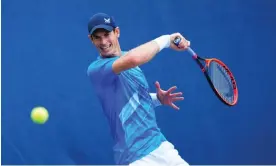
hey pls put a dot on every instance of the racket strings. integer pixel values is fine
(221, 81)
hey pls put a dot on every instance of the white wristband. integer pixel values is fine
(163, 41)
(155, 100)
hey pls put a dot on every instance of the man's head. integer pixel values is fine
(104, 34)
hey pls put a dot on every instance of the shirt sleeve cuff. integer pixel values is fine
(155, 100)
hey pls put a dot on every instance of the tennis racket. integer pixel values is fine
(218, 75)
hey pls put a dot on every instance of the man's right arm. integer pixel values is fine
(145, 52)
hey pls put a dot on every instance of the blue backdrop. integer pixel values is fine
(45, 54)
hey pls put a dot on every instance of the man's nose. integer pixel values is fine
(103, 41)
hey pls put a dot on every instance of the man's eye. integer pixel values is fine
(96, 37)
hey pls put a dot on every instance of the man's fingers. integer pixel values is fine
(176, 94)
(184, 44)
(177, 99)
(172, 89)
(187, 43)
(175, 107)
(157, 85)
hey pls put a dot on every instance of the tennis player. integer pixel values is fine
(124, 95)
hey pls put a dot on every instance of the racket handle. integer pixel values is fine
(191, 51)
(177, 40)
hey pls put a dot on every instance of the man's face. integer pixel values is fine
(106, 42)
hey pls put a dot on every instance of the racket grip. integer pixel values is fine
(177, 40)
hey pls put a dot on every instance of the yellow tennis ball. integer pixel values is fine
(39, 115)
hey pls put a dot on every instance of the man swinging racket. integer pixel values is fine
(124, 94)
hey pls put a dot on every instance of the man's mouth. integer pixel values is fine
(105, 48)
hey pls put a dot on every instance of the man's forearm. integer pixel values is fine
(145, 52)
(141, 54)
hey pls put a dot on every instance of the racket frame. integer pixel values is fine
(204, 69)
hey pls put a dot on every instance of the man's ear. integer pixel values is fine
(117, 31)
(90, 37)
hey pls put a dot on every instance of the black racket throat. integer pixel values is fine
(201, 62)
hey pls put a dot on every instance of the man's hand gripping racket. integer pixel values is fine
(218, 75)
